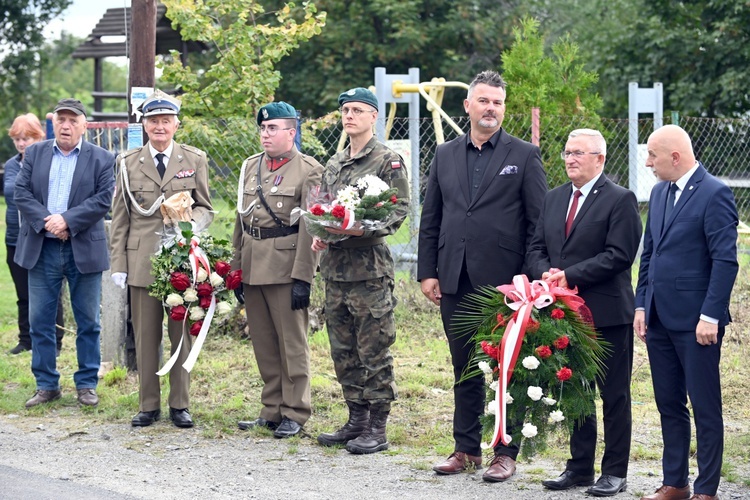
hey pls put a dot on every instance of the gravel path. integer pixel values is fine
(114, 461)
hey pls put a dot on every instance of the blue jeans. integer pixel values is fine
(45, 280)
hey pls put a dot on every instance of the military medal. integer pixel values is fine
(276, 181)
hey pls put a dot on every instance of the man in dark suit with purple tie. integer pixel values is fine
(587, 237)
(687, 272)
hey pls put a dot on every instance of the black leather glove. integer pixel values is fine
(300, 295)
(240, 294)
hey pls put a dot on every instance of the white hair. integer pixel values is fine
(599, 141)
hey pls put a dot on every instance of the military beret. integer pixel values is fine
(359, 94)
(275, 110)
(159, 103)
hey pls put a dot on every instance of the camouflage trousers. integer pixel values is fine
(361, 328)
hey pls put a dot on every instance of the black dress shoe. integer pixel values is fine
(287, 428)
(568, 479)
(181, 418)
(258, 422)
(608, 486)
(145, 418)
(19, 349)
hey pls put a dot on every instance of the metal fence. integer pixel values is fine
(721, 144)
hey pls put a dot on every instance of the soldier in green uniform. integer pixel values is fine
(359, 275)
(278, 265)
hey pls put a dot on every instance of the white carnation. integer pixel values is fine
(530, 363)
(557, 416)
(508, 398)
(529, 430)
(190, 295)
(549, 401)
(494, 385)
(534, 392)
(197, 313)
(174, 299)
(492, 409)
(202, 275)
(216, 280)
(485, 367)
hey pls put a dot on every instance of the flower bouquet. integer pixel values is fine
(537, 342)
(370, 204)
(193, 281)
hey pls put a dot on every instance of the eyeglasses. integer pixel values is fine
(576, 154)
(272, 130)
(355, 111)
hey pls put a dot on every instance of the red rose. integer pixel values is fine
(394, 200)
(180, 281)
(222, 268)
(234, 279)
(533, 326)
(544, 351)
(564, 374)
(178, 313)
(205, 302)
(500, 320)
(490, 350)
(204, 290)
(561, 343)
(317, 210)
(338, 211)
(557, 313)
(195, 328)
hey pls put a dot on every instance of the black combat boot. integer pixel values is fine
(373, 439)
(359, 419)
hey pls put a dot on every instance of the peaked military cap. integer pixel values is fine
(275, 110)
(359, 94)
(160, 103)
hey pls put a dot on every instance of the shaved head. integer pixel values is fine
(670, 152)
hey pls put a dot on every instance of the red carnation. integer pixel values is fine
(489, 349)
(205, 302)
(338, 211)
(500, 320)
(204, 290)
(222, 268)
(195, 328)
(234, 279)
(564, 374)
(561, 343)
(180, 281)
(394, 200)
(533, 326)
(317, 210)
(544, 351)
(557, 313)
(178, 313)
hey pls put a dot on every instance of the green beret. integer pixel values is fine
(359, 94)
(276, 110)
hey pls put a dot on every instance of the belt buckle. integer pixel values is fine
(255, 233)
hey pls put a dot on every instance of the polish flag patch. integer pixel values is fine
(395, 164)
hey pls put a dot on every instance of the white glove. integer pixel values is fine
(119, 279)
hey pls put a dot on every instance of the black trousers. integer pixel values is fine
(614, 388)
(469, 395)
(21, 281)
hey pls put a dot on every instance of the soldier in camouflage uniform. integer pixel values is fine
(359, 274)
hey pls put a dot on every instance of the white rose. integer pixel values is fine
(485, 367)
(530, 363)
(196, 313)
(491, 408)
(174, 299)
(216, 280)
(508, 398)
(223, 307)
(494, 385)
(557, 416)
(549, 401)
(190, 295)
(529, 430)
(202, 275)
(534, 392)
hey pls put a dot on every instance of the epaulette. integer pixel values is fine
(192, 149)
(131, 152)
(309, 160)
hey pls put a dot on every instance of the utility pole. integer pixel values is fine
(142, 48)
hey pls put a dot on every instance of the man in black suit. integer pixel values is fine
(484, 193)
(587, 237)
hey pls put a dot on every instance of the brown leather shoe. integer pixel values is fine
(702, 496)
(669, 493)
(458, 461)
(42, 396)
(501, 469)
(88, 397)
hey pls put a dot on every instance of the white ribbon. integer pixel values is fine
(197, 346)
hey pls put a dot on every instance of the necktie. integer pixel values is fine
(572, 213)
(160, 167)
(670, 203)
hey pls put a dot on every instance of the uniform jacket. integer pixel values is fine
(134, 237)
(286, 258)
(598, 254)
(490, 232)
(688, 268)
(90, 199)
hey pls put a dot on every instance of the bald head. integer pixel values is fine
(670, 152)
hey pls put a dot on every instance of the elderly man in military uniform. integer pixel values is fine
(278, 266)
(147, 176)
(359, 274)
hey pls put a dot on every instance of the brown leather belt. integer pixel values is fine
(261, 233)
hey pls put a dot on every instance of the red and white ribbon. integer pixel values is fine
(197, 345)
(348, 221)
(197, 258)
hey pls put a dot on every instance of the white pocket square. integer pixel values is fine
(509, 170)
